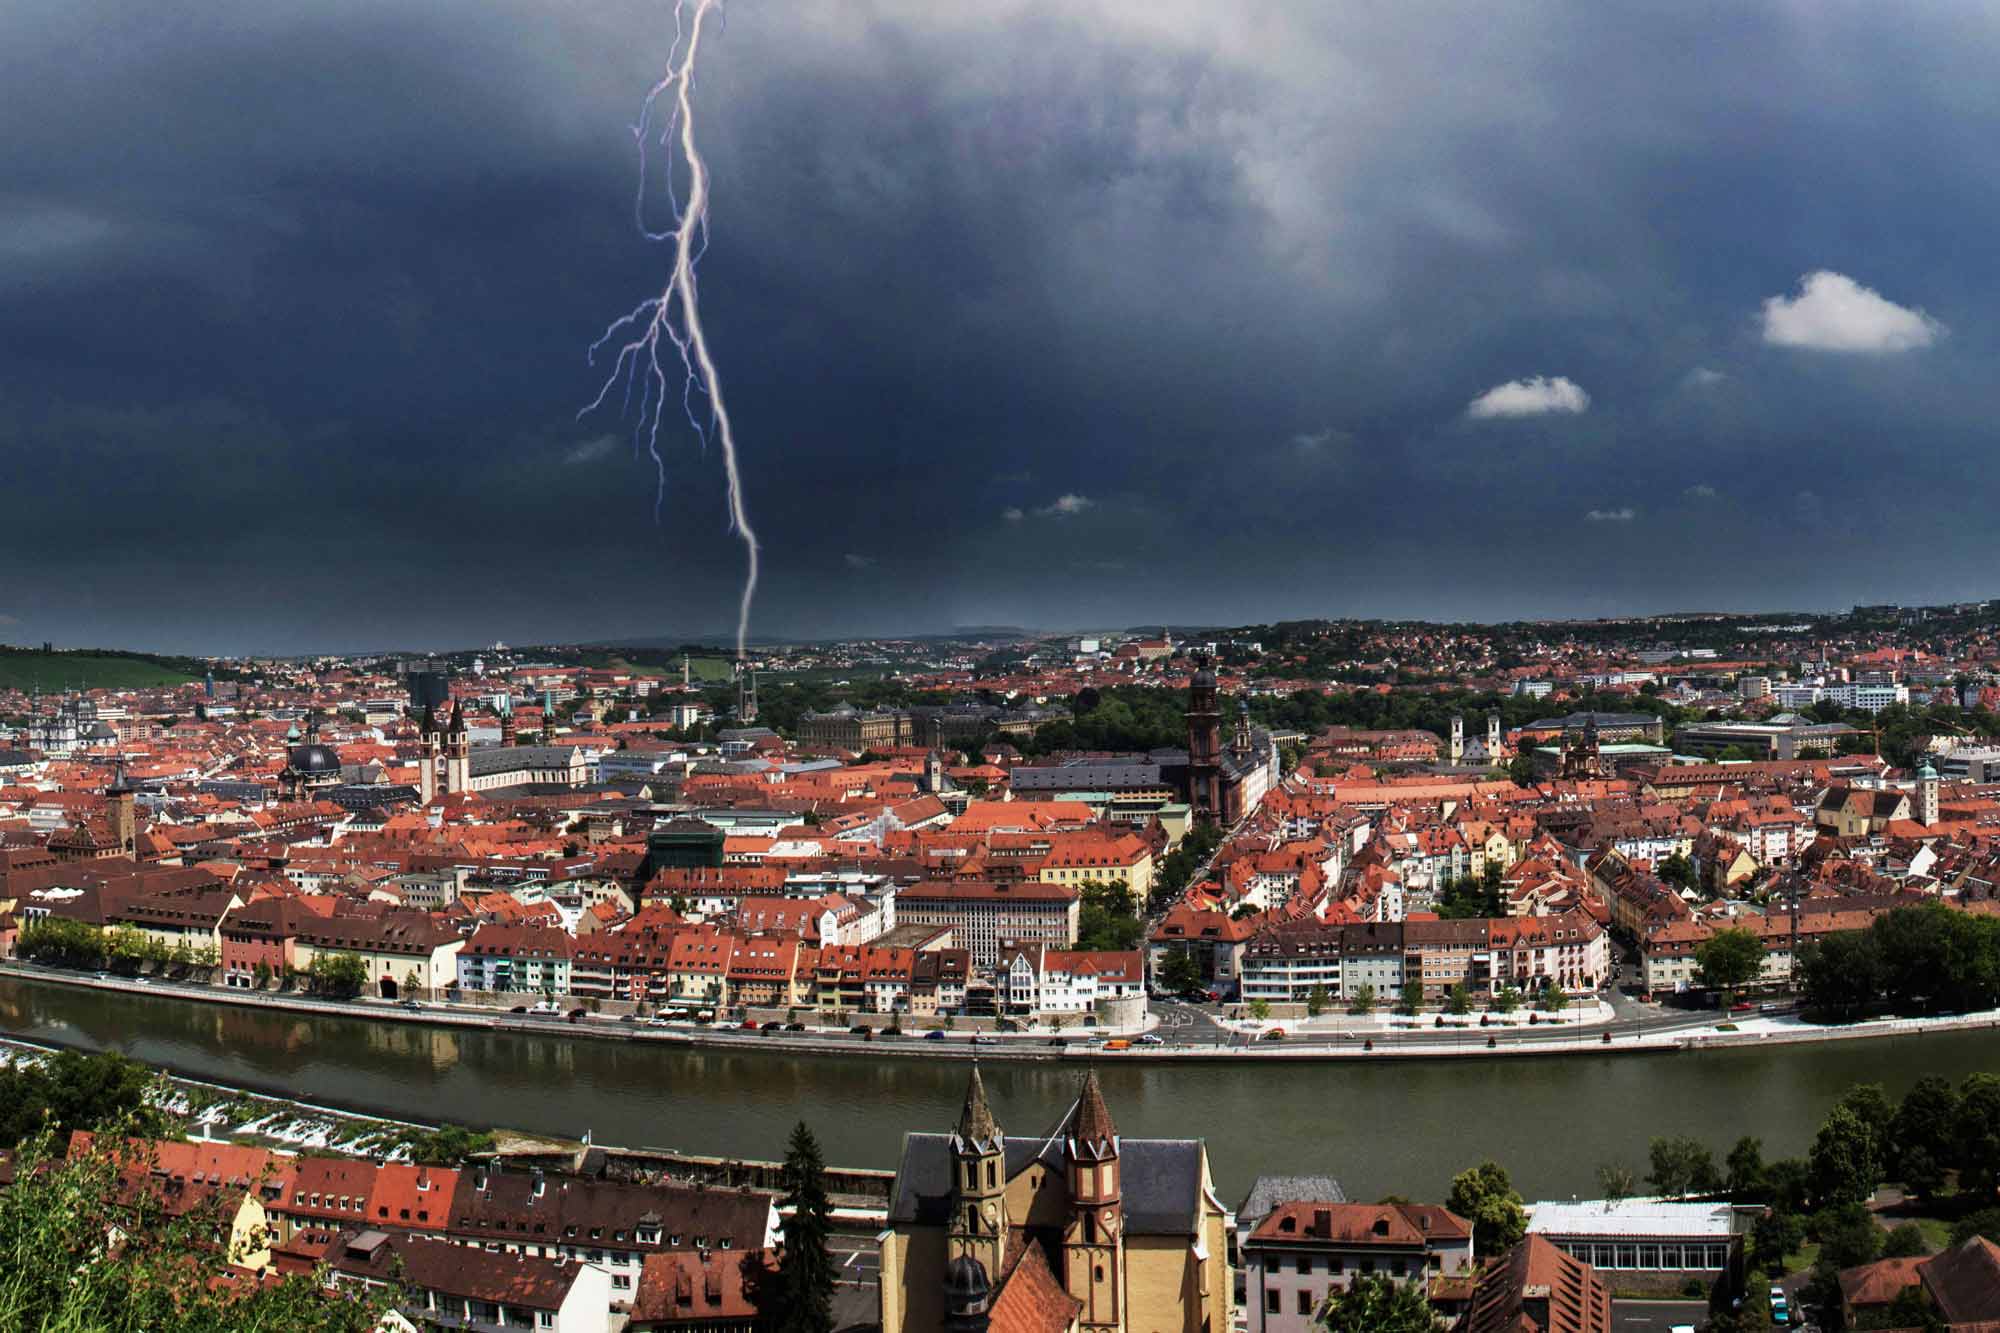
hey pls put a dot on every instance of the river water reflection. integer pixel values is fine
(1391, 1126)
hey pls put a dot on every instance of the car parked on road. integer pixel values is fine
(1275, 1034)
(1150, 1039)
(935, 1034)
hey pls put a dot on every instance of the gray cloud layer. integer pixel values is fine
(297, 297)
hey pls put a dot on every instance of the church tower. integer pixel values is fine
(457, 753)
(427, 767)
(1204, 723)
(1457, 737)
(1493, 738)
(121, 803)
(1927, 795)
(1094, 1239)
(979, 1184)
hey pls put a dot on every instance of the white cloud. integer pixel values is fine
(1065, 506)
(1701, 377)
(590, 450)
(6, 619)
(1309, 440)
(1700, 491)
(859, 561)
(1533, 397)
(1013, 514)
(1623, 515)
(1834, 313)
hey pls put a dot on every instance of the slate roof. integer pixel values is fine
(1162, 1179)
(1270, 1192)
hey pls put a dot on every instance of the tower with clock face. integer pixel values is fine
(1094, 1240)
(979, 1184)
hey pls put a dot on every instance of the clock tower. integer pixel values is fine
(979, 1184)
(1094, 1240)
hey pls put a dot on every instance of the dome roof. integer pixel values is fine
(314, 759)
(966, 1287)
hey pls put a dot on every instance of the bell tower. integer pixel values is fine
(979, 1183)
(1094, 1240)
(121, 803)
(427, 767)
(1204, 723)
(457, 753)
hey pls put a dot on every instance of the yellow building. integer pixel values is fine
(1080, 1230)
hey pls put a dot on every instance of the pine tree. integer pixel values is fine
(805, 1269)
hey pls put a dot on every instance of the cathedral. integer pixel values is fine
(1077, 1229)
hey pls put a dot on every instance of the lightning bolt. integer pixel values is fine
(662, 336)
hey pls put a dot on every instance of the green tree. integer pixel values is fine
(1316, 1001)
(1839, 975)
(1179, 973)
(1615, 1181)
(1844, 1166)
(1553, 999)
(1677, 870)
(805, 1276)
(1260, 1009)
(1508, 1000)
(1413, 995)
(1485, 1196)
(1363, 1001)
(1682, 1165)
(1906, 1241)
(1107, 918)
(61, 941)
(1978, 1135)
(1985, 1222)
(72, 1090)
(1459, 999)
(1923, 1135)
(1729, 959)
(1376, 1304)
(1773, 1237)
(1748, 1180)
(62, 1277)
(341, 975)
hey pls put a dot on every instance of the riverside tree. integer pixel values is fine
(1729, 960)
(1485, 1196)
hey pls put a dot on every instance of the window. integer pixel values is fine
(1305, 1263)
(1274, 1302)
(543, 1319)
(1305, 1301)
(1628, 1257)
(621, 1282)
(1649, 1256)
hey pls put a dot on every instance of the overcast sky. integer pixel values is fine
(1065, 314)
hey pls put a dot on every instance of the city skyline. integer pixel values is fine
(1103, 315)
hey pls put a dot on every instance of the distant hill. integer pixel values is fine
(92, 669)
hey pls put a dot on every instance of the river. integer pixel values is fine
(1402, 1126)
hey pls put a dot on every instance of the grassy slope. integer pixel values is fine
(86, 671)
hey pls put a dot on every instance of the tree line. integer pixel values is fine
(1926, 959)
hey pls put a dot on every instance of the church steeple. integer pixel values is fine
(1094, 1239)
(979, 1183)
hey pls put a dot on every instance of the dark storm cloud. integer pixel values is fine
(294, 301)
